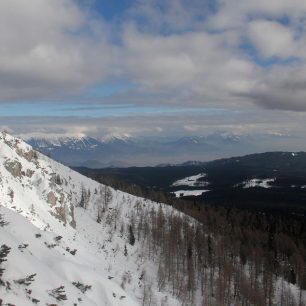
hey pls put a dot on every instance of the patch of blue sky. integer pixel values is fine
(27, 109)
(140, 111)
(30, 109)
(250, 51)
(107, 90)
(284, 19)
(111, 9)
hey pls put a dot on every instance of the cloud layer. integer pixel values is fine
(243, 57)
(50, 48)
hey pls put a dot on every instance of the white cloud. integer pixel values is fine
(160, 62)
(44, 51)
(196, 67)
(242, 122)
(235, 13)
(51, 48)
(272, 39)
(207, 66)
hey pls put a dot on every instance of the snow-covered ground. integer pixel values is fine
(263, 183)
(183, 193)
(192, 181)
(38, 252)
(58, 243)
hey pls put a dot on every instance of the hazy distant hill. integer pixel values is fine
(118, 151)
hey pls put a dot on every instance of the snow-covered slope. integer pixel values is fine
(67, 236)
(38, 253)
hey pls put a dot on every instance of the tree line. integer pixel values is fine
(229, 257)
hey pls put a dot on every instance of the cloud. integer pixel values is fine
(272, 39)
(238, 53)
(50, 48)
(236, 13)
(281, 87)
(242, 122)
(198, 67)
(171, 16)
(197, 53)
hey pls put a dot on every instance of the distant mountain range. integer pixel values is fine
(84, 151)
(124, 151)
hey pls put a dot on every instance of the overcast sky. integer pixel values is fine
(153, 67)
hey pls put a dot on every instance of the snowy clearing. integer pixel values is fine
(263, 183)
(184, 193)
(192, 181)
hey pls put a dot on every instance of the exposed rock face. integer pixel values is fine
(72, 222)
(28, 155)
(29, 173)
(51, 198)
(26, 164)
(14, 167)
(61, 210)
(61, 213)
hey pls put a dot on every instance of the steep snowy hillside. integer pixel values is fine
(65, 239)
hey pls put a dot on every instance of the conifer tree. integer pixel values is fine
(131, 236)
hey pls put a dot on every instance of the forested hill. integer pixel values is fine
(265, 181)
(285, 164)
(269, 163)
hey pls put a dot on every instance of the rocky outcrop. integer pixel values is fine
(30, 155)
(29, 173)
(51, 198)
(14, 167)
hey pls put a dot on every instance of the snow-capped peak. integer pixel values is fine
(116, 136)
(70, 142)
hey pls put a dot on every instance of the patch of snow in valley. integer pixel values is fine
(184, 193)
(192, 181)
(263, 183)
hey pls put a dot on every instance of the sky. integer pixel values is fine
(153, 68)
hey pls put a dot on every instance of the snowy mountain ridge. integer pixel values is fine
(76, 143)
(116, 137)
(123, 148)
(67, 237)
